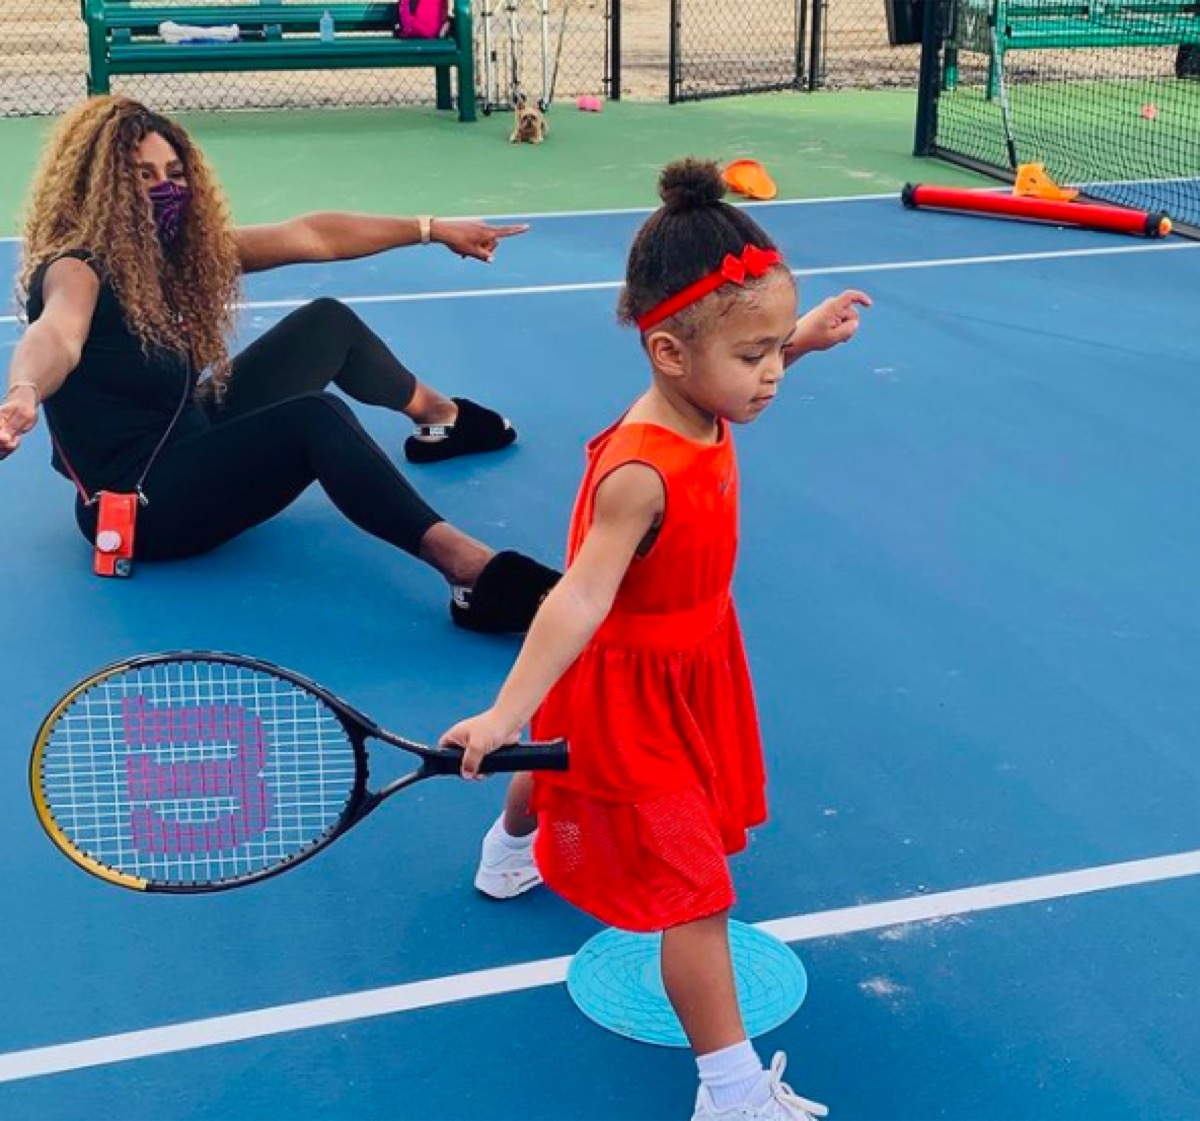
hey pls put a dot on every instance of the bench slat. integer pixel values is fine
(346, 17)
(1081, 9)
(311, 54)
(1050, 38)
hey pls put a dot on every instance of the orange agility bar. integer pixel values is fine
(1115, 219)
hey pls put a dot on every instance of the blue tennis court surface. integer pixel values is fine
(968, 584)
(1174, 196)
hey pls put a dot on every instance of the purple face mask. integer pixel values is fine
(169, 201)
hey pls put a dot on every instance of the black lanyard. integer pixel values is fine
(90, 500)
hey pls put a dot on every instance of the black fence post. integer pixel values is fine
(673, 61)
(613, 48)
(929, 82)
(801, 37)
(816, 50)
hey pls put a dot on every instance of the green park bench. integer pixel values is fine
(123, 38)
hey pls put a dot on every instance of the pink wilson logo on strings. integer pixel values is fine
(238, 777)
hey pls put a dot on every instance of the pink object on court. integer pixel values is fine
(589, 104)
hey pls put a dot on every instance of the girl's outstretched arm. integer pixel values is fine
(831, 322)
(629, 504)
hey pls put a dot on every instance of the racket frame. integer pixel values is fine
(360, 801)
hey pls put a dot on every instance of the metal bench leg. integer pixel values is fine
(466, 68)
(442, 85)
(466, 93)
(97, 79)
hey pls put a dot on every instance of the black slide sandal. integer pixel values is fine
(475, 430)
(506, 597)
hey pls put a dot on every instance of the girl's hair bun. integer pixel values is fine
(690, 184)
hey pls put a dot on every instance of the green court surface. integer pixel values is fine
(1134, 129)
(418, 160)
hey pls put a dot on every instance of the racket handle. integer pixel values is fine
(552, 756)
(549, 756)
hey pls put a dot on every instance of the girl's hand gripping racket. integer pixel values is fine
(196, 771)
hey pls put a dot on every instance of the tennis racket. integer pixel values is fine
(196, 771)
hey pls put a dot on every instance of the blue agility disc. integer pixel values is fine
(616, 980)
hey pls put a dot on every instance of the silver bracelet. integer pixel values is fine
(37, 393)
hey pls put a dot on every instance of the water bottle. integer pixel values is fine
(326, 28)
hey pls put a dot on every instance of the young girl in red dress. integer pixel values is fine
(636, 657)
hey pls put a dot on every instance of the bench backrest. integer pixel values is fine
(1109, 11)
(371, 16)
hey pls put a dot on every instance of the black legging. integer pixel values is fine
(317, 345)
(276, 433)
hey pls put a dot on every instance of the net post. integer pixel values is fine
(925, 137)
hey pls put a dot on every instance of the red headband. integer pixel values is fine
(753, 262)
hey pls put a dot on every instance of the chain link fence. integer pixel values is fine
(850, 48)
(43, 56)
(621, 48)
(706, 50)
(721, 49)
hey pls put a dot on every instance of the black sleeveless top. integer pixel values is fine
(114, 407)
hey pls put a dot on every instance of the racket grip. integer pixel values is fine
(551, 756)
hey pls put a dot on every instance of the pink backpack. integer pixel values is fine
(424, 19)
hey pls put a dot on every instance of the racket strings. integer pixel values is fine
(196, 772)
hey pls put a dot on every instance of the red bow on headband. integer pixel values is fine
(752, 263)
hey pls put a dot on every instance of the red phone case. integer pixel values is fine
(114, 534)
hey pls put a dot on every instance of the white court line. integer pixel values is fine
(602, 213)
(440, 991)
(612, 285)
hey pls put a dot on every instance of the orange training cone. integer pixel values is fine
(750, 178)
(1033, 182)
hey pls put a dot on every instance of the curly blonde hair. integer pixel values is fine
(86, 195)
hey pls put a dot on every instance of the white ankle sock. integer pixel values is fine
(500, 836)
(733, 1076)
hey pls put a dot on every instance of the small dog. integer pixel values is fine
(532, 127)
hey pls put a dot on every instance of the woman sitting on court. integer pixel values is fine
(130, 282)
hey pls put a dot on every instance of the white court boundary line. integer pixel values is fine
(547, 215)
(612, 285)
(441, 991)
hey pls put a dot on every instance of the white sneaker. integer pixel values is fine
(784, 1104)
(505, 873)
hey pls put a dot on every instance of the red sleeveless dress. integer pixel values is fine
(666, 762)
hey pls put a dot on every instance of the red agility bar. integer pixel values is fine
(1088, 215)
